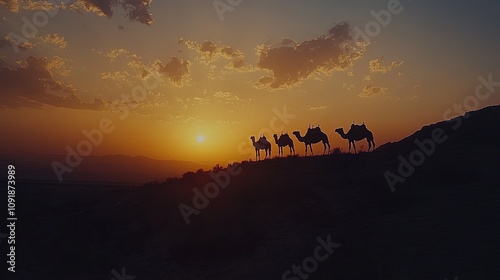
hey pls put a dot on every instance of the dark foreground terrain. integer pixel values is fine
(442, 222)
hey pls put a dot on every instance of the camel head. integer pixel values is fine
(252, 138)
(339, 130)
(296, 132)
(275, 136)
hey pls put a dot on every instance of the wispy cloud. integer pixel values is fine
(210, 52)
(313, 108)
(11, 5)
(370, 90)
(55, 39)
(376, 65)
(136, 10)
(32, 85)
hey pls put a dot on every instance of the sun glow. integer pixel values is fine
(200, 138)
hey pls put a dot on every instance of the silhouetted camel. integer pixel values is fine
(284, 141)
(262, 144)
(356, 133)
(313, 135)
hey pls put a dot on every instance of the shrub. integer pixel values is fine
(336, 151)
(188, 175)
(217, 168)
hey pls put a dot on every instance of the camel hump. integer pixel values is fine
(358, 128)
(286, 136)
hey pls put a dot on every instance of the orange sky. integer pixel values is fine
(226, 77)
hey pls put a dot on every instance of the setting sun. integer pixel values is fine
(200, 138)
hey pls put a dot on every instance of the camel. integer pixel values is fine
(313, 136)
(284, 141)
(357, 133)
(262, 144)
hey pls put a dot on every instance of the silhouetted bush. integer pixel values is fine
(188, 175)
(171, 180)
(217, 168)
(336, 151)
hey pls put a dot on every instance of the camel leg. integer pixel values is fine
(354, 145)
(349, 147)
(311, 148)
(369, 144)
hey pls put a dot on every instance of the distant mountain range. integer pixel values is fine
(116, 169)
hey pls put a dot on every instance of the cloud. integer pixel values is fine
(26, 45)
(55, 39)
(32, 86)
(137, 10)
(119, 76)
(370, 90)
(11, 5)
(39, 5)
(312, 108)
(210, 52)
(177, 70)
(6, 41)
(291, 62)
(42, 5)
(115, 53)
(375, 65)
(132, 60)
(57, 66)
